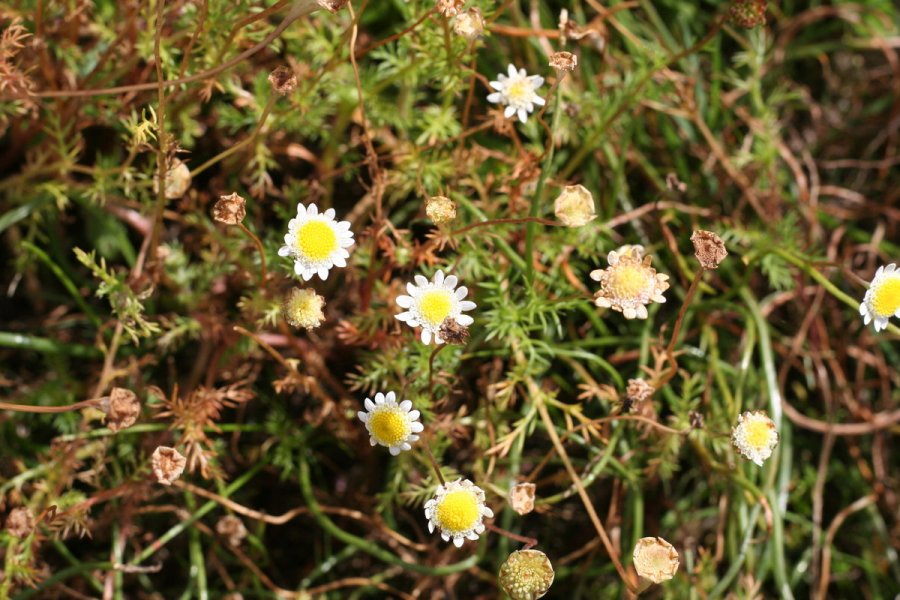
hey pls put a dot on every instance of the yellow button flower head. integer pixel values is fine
(754, 436)
(316, 242)
(303, 308)
(457, 510)
(391, 424)
(629, 284)
(430, 303)
(655, 559)
(517, 93)
(882, 299)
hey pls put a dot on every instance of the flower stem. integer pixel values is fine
(262, 254)
(50, 409)
(528, 541)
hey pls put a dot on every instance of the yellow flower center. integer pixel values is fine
(434, 306)
(316, 240)
(518, 91)
(389, 426)
(757, 434)
(627, 281)
(886, 299)
(458, 511)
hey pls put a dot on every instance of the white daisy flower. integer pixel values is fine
(391, 424)
(429, 303)
(458, 510)
(755, 436)
(316, 242)
(882, 299)
(517, 93)
(629, 284)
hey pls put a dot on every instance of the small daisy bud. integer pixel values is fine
(440, 209)
(283, 80)
(575, 206)
(526, 575)
(638, 391)
(755, 436)
(655, 559)
(521, 497)
(469, 24)
(303, 308)
(454, 333)
(747, 13)
(709, 249)
(20, 522)
(563, 61)
(168, 464)
(230, 210)
(122, 409)
(232, 529)
(178, 180)
(450, 8)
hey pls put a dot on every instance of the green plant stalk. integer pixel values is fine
(364, 545)
(198, 564)
(738, 562)
(63, 575)
(45, 345)
(592, 475)
(65, 281)
(539, 190)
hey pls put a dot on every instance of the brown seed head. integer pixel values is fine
(521, 497)
(638, 391)
(655, 559)
(709, 249)
(20, 522)
(122, 408)
(450, 8)
(332, 5)
(526, 575)
(563, 61)
(469, 24)
(747, 13)
(283, 80)
(440, 209)
(230, 209)
(454, 333)
(231, 528)
(696, 419)
(168, 464)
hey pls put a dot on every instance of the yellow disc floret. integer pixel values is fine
(434, 306)
(629, 281)
(758, 433)
(389, 426)
(316, 240)
(458, 511)
(886, 298)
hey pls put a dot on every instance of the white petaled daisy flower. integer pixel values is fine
(629, 284)
(430, 303)
(517, 92)
(755, 436)
(457, 510)
(882, 299)
(316, 242)
(391, 424)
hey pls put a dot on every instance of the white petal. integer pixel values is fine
(465, 320)
(510, 111)
(363, 416)
(404, 316)
(512, 71)
(414, 415)
(390, 397)
(301, 212)
(372, 441)
(329, 214)
(284, 251)
(538, 100)
(411, 289)
(307, 273)
(339, 261)
(461, 292)
(426, 336)
(438, 339)
(450, 282)
(430, 526)
(404, 301)
(467, 305)
(536, 81)
(487, 512)
(420, 280)
(523, 115)
(323, 273)
(394, 450)
(312, 210)
(494, 97)
(439, 278)
(863, 309)
(404, 406)
(458, 542)
(416, 427)
(370, 406)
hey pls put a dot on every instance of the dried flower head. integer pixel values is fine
(454, 333)
(696, 419)
(332, 5)
(469, 24)
(882, 299)
(638, 391)
(178, 180)
(440, 209)
(708, 248)
(655, 559)
(574, 206)
(122, 408)
(20, 522)
(563, 61)
(232, 529)
(283, 80)
(457, 510)
(629, 284)
(521, 497)
(391, 424)
(526, 575)
(755, 436)
(747, 13)
(450, 8)
(230, 209)
(168, 464)
(430, 303)
(304, 308)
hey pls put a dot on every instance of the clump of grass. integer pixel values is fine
(592, 284)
